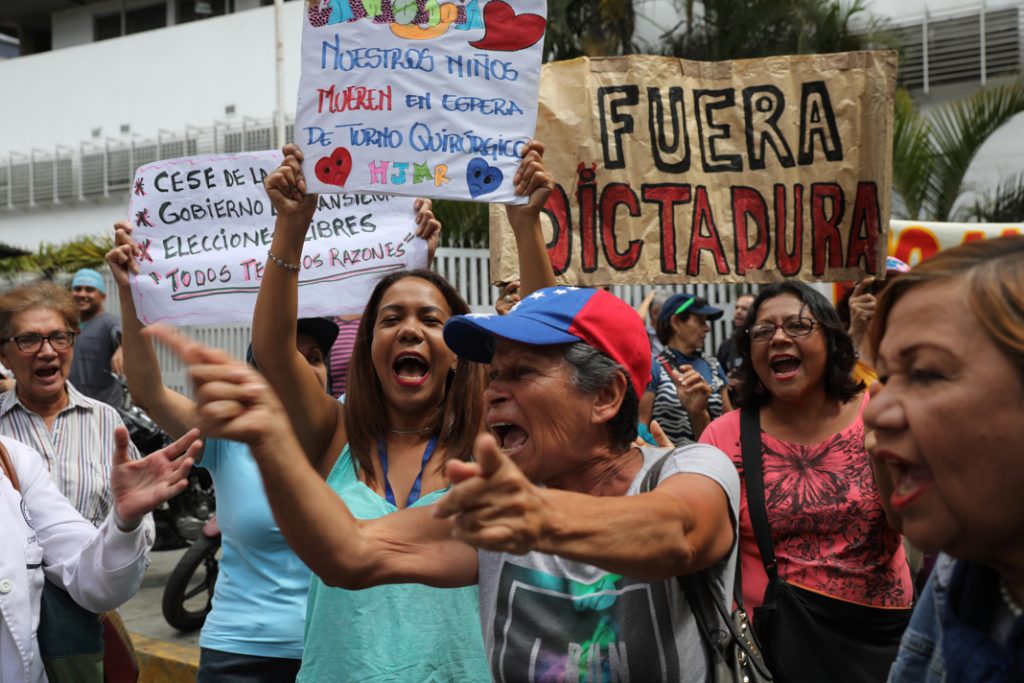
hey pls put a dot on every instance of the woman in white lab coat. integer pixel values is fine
(43, 533)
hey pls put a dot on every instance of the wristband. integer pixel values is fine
(122, 525)
(294, 267)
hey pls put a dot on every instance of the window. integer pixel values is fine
(136, 20)
(191, 10)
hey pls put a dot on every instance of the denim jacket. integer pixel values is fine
(947, 608)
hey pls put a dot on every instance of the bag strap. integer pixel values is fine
(8, 466)
(753, 477)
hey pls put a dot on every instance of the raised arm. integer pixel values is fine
(408, 546)
(314, 414)
(531, 180)
(682, 526)
(175, 414)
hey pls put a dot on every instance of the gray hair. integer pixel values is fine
(592, 371)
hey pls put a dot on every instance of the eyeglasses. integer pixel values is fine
(31, 343)
(794, 327)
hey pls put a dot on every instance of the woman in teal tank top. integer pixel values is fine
(411, 407)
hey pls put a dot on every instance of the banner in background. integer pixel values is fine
(429, 98)
(915, 241)
(745, 171)
(204, 225)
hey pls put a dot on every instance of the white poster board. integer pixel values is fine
(204, 225)
(428, 98)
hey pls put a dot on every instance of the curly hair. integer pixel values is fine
(37, 295)
(841, 354)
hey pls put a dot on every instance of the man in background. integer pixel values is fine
(98, 346)
(728, 353)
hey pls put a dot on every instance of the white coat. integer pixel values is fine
(41, 532)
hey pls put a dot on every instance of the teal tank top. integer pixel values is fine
(401, 632)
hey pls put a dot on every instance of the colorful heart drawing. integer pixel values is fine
(482, 177)
(334, 170)
(506, 31)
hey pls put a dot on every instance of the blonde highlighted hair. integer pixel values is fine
(994, 272)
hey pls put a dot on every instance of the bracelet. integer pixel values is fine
(294, 267)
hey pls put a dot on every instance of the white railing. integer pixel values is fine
(469, 271)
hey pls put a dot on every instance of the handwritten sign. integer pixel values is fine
(430, 98)
(745, 171)
(204, 225)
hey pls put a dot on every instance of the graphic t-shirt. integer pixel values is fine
(827, 523)
(546, 618)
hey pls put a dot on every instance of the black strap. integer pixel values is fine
(753, 476)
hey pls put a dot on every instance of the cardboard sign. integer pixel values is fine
(204, 225)
(915, 241)
(747, 171)
(429, 98)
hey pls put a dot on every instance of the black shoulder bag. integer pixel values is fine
(809, 636)
(733, 653)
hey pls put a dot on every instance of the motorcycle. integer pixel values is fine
(188, 595)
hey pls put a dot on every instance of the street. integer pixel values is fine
(142, 613)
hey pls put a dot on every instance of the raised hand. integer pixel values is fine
(233, 401)
(532, 180)
(427, 226)
(139, 486)
(286, 187)
(491, 504)
(123, 257)
(691, 388)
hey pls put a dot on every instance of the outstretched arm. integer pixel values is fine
(408, 546)
(682, 526)
(531, 180)
(175, 414)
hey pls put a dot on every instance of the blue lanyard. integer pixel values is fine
(414, 492)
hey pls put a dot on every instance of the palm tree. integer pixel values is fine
(932, 153)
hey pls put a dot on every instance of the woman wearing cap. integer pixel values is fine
(828, 532)
(949, 343)
(254, 631)
(687, 390)
(411, 407)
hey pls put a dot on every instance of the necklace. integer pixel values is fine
(410, 431)
(1016, 610)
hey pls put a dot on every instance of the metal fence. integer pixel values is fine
(469, 271)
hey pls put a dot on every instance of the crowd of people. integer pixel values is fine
(424, 493)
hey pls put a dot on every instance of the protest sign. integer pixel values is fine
(204, 225)
(915, 241)
(431, 98)
(755, 170)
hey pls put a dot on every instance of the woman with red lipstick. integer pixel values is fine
(824, 535)
(411, 406)
(948, 434)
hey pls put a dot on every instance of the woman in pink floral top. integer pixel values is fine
(827, 524)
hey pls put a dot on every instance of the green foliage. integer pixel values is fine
(51, 259)
(1003, 205)
(737, 29)
(463, 224)
(932, 152)
(592, 28)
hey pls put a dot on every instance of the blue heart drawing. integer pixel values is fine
(482, 177)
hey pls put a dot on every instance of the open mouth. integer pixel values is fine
(909, 480)
(511, 438)
(785, 367)
(410, 369)
(48, 372)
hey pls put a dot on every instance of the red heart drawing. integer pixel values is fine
(334, 170)
(505, 31)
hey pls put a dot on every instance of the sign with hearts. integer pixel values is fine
(423, 98)
(204, 225)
